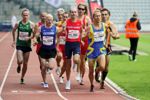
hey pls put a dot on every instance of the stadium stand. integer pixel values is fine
(121, 10)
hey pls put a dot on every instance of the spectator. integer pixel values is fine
(13, 21)
(132, 28)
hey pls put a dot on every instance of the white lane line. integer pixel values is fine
(6, 74)
(57, 89)
(3, 37)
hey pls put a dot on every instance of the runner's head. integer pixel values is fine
(60, 13)
(65, 16)
(49, 20)
(73, 13)
(97, 16)
(25, 14)
(43, 16)
(105, 14)
(82, 9)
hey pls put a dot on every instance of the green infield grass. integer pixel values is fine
(133, 77)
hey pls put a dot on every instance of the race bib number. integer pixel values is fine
(99, 36)
(73, 34)
(47, 40)
(62, 40)
(23, 35)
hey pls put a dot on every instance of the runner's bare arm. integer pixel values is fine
(88, 21)
(114, 31)
(33, 31)
(36, 34)
(61, 29)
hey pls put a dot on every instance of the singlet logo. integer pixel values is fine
(48, 33)
(23, 35)
(48, 40)
(73, 34)
(99, 36)
(62, 40)
(24, 27)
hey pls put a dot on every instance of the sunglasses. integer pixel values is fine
(81, 9)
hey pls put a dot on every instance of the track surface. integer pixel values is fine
(10, 89)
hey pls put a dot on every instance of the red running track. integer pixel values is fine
(10, 89)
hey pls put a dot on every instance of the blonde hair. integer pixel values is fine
(43, 13)
(49, 16)
(23, 10)
(60, 10)
(95, 11)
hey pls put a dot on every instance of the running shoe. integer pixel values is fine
(130, 57)
(61, 81)
(18, 69)
(21, 81)
(45, 85)
(68, 85)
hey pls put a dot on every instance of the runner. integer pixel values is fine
(59, 23)
(72, 46)
(39, 24)
(47, 51)
(86, 21)
(112, 28)
(23, 42)
(61, 48)
(96, 50)
(60, 13)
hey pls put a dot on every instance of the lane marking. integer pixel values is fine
(57, 89)
(27, 92)
(6, 74)
(31, 92)
(47, 92)
(1, 39)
